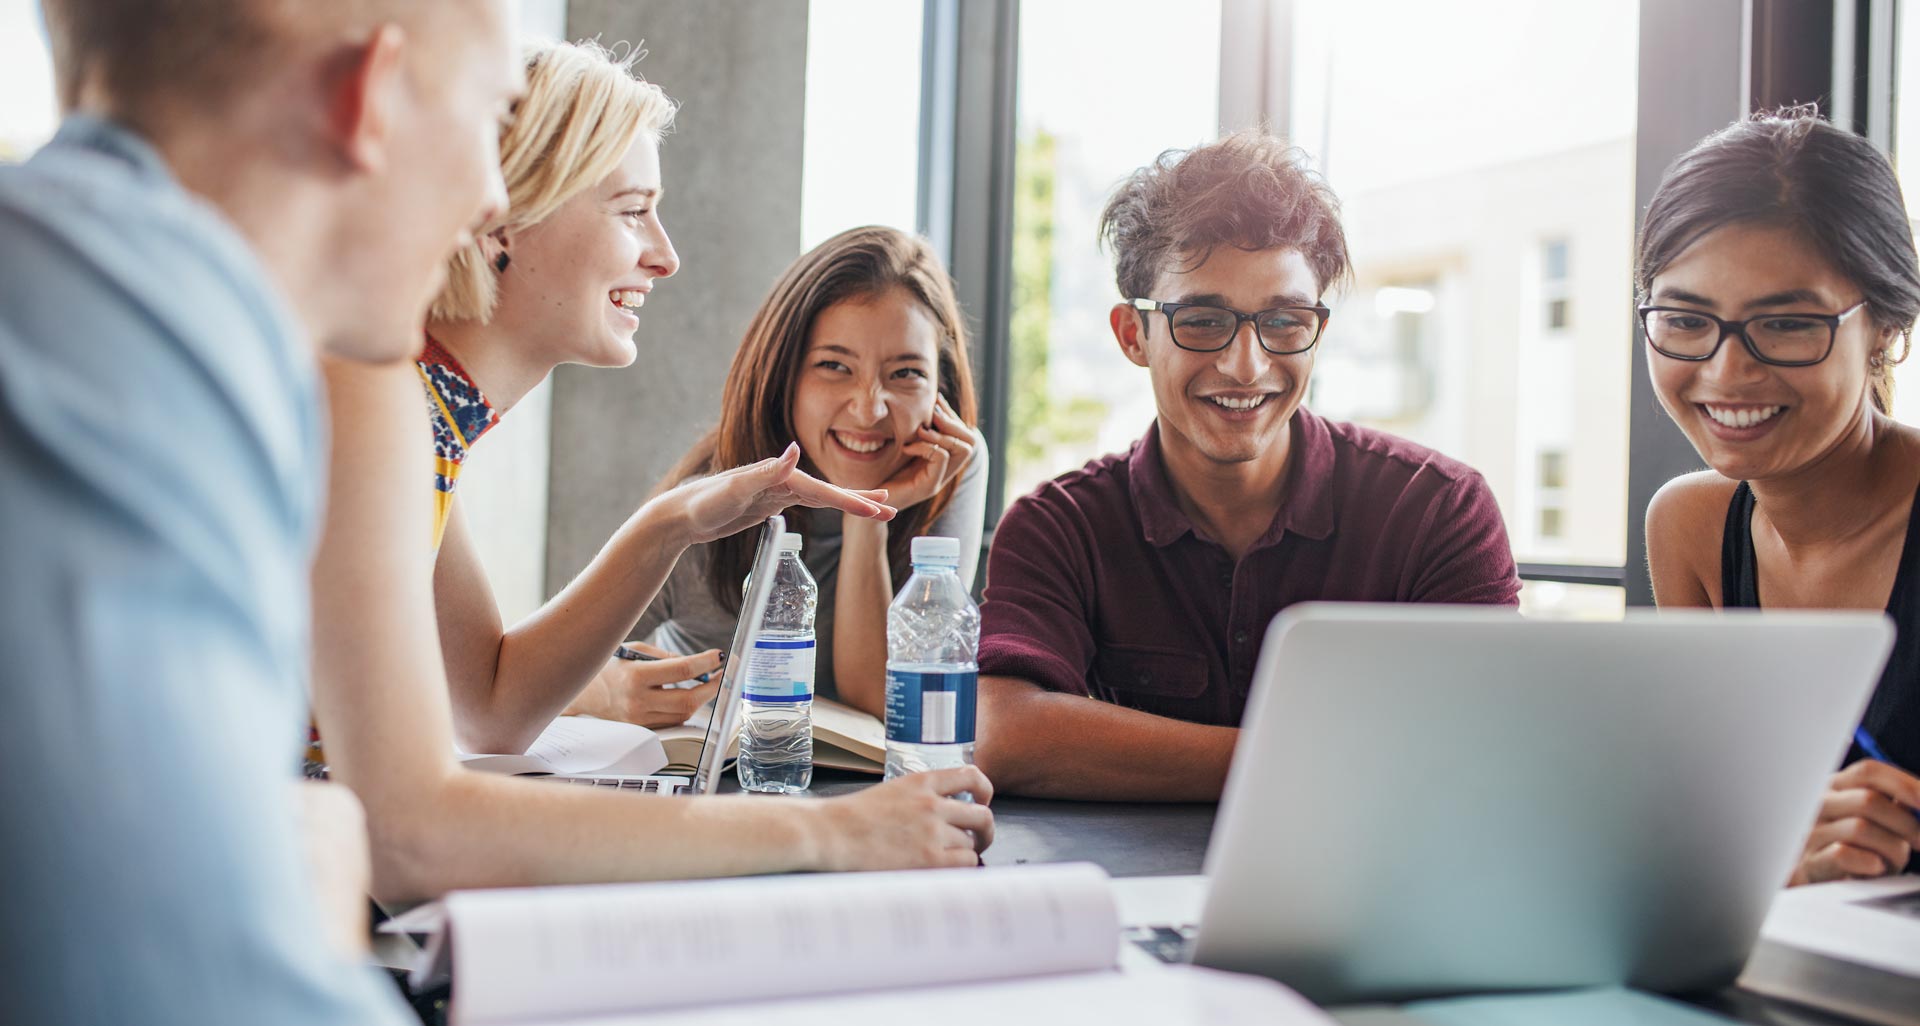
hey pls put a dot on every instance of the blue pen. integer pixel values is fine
(635, 655)
(1872, 748)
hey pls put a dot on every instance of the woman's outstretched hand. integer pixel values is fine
(731, 501)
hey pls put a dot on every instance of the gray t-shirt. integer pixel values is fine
(685, 618)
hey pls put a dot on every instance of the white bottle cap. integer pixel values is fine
(789, 541)
(936, 550)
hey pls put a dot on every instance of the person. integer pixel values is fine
(554, 279)
(859, 356)
(1126, 600)
(237, 186)
(1777, 270)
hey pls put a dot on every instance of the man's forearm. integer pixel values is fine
(1051, 745)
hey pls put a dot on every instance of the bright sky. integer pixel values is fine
(27, 109)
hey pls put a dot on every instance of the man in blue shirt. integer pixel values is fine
(244, 182)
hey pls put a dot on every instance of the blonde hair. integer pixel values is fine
(584, 109)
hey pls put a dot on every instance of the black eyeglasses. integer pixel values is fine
(1780, 339)
(1199, 328)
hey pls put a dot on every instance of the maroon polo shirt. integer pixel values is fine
(1099, 585)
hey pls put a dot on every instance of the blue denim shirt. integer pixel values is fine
(161, 466)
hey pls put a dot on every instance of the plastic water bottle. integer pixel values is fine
(933, 634)
(776, 723)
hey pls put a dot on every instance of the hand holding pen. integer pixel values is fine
(650, 687)
(1868, 823)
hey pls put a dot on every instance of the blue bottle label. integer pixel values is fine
(780, 670)
(931, 708)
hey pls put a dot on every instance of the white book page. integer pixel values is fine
(582, 745)
(584, 951)
(1849, 920)
(1178, 996)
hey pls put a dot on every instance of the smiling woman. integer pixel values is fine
(859, 354)
(1778, 271)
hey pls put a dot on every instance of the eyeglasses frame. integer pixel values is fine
(1739, 329)
(1320, 311)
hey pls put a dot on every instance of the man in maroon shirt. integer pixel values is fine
(1126, 601)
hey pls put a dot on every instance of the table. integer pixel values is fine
(1162, 839)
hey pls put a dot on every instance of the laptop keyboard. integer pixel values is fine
(1166, 943)
(645, 785)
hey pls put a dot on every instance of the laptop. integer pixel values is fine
(723, 719)
(1429, 800)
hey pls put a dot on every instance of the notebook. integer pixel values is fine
(843, 738)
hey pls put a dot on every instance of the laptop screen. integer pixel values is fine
(725, 719)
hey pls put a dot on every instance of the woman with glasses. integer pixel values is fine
(1779, 286)
(858, 356)
(556, 279)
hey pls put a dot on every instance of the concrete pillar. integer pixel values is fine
(731, 173)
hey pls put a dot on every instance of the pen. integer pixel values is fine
(1872, 748)
(637, 656)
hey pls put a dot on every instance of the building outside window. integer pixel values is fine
(1554, 285)
(1517, 218)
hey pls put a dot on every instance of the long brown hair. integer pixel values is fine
(756, 408)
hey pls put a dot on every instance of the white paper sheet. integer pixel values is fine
(582, 746)
(582, 951)
(1181, 996)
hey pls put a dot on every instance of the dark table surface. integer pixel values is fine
(1156, 839)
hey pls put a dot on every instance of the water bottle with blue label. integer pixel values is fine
(933, 634)
(776, 721)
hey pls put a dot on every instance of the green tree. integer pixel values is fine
(1038, 420)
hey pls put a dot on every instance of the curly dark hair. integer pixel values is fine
(1249, 190)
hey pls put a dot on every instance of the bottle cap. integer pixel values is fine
(936, 550)
(789, 541)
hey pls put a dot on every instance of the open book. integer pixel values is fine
(843, 738)
(581, 746)
(1851, 947)
(964, 946)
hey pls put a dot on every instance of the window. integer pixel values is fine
(1906, 161)
(1475, 239)
(28, 112)
(861, 152)
(1554, 283)
(1098, 96)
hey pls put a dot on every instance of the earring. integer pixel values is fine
(500, 263)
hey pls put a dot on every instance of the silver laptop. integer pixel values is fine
(1431, 800)
(723, 720)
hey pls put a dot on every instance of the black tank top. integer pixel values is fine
(1893, 714)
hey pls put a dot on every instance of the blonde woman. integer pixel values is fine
(557, 280)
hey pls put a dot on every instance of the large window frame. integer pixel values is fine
(1703, 64)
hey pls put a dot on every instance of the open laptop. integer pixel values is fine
(723, 720)
(1429, 800)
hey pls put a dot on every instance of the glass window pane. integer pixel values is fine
(1491, 227)
(861, 155)
(1552, 600)
(1906, 161)
(27, 109)
(1098, 97)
